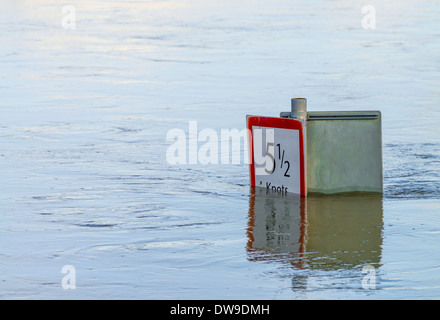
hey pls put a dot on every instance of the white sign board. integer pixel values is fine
(277, 160)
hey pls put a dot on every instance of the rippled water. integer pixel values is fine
(85, 181)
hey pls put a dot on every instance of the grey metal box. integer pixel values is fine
(344, 151)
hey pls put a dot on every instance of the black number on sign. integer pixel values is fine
(269, 144)
(288, 167)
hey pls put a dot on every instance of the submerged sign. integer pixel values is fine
(316, 152)
(277, 154)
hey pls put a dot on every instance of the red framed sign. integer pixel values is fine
(276, 154)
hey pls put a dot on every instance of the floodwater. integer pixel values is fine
(85, 181)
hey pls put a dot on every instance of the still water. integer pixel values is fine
(85, 181)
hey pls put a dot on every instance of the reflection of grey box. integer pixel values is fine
(327, 232)
(344, 149)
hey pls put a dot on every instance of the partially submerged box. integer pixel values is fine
(316, 152)
(344, 151)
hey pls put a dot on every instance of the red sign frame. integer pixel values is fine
(281, 123)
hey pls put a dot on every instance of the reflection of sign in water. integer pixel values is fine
(276, 225)
(321, 232)
(277, 154)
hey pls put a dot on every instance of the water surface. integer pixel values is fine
(85, 181)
